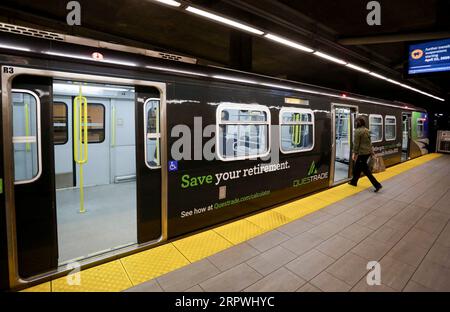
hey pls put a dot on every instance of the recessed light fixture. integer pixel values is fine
(170, 2)
(288, 43)
(224, 20)
(330, 58)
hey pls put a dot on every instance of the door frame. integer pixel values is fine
(409, 129)
(333, 139)
(8, 73)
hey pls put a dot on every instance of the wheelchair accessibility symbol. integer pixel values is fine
(173, 165)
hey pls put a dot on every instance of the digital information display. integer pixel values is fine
(429, 57)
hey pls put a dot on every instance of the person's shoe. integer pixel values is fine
(379, 187)
(352, 184)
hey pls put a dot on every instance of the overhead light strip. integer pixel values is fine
(224, 20)
(10, 47)
(289, 43)
(330, 58)
(170, 2)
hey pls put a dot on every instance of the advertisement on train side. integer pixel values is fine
(429, 57)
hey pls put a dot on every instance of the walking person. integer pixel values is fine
(362, 149)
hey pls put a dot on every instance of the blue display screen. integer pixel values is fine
(429, 57)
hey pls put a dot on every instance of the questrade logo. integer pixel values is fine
(311, 176)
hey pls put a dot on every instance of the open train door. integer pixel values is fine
(29, 174)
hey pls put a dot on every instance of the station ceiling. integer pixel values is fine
(336, 27)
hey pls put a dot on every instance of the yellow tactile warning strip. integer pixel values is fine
(135, 269)
(152, 263)
(202, 245)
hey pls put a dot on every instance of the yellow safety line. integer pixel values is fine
(152, 263)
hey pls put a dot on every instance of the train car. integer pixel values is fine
(105, 153)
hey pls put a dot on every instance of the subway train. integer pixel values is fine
(106, 152)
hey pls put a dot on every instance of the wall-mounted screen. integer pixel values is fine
(429, 57)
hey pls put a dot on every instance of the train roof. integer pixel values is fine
(82, 50)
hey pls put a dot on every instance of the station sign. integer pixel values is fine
(429, 57)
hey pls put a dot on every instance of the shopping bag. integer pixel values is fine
(378, 164)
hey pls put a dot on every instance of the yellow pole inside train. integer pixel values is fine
(80, 139)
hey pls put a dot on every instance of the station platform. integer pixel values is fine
(323, 242)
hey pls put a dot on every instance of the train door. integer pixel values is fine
(406, 135)
(49, 126)
(343, 120)
(94, 205)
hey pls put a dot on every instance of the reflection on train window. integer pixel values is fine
(243, 131)
(376, 128)
(96, 123)
(297, 130)
(153, 135)
(26, 135)
(420, 127)
(60, 129)
(390, 128)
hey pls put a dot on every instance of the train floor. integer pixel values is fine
(108, 223)
(323, 242)
(340, 171)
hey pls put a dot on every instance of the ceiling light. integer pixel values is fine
(330, 58)
(224, 20)
(378, 76)
(289, 43)
(235, 79)
(6, 46)
(170, 2)
(363, 70)
(276, 86)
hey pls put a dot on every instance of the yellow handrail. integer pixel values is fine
(296, 135)
(80, 140)
(27, 126)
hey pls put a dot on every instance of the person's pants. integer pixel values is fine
(361, 166)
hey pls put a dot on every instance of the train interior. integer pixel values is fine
(100, 216)
(406, 120)
(94, 147)
(343, 117)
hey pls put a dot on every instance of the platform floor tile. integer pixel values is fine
(152, 263)
(239, 231)
(202, 245)
(108, 277)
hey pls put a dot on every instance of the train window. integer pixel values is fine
(420, 127)
(376, 128)
(60, 129)
(296, 130)
(26, 136)
(153, 135)
(243, 131)
(390, 128)
(96, 123)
